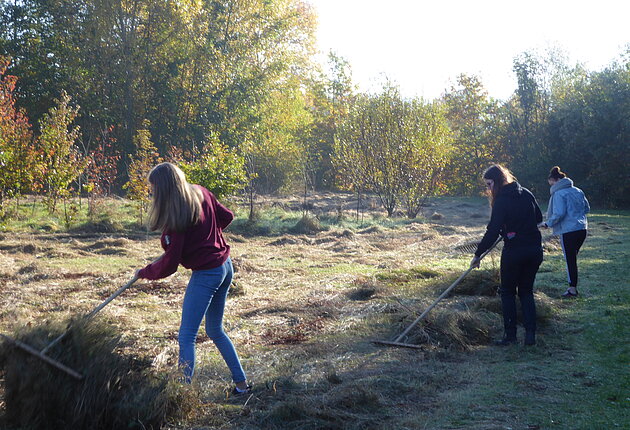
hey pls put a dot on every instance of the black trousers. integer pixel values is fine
(571, 244)
(519, 266)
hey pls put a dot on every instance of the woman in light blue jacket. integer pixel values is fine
(566, 214)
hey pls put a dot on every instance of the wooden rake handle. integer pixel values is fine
(444, 294)
(117, 293)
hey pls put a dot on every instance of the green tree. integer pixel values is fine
(427, 151)
(61, 159)
(475, 120)
(142, 161)
(528, 114)
(218, 168)
(588, 129)
(393, 147)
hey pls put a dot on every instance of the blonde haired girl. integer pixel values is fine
(192, 221)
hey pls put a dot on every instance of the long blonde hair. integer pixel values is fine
(176, 204)
(501, 176)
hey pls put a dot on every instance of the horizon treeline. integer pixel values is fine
(92, 93)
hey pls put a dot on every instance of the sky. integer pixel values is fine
(424, 44)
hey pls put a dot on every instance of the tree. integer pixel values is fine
(102, 169)
(475, 121)
(17, 155)
(588, 129)
(61, 159)
(528, 113)
(393, 147)
(144, 159)
(427, 154)
(217, 168)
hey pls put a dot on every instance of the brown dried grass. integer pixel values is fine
(117, 391)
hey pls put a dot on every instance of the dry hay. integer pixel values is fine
(545, 309)
(453, 328)
(407, 275)
(370, 230)
(109, 246)
(467, 247)
(479, 283)
(464, 323)
(30, 248)
(341, 407)
(289, 240)
(242, 265)
(32, 272)
(297, 331)
(237, 289)
(307, 225)
(117, 391)
(347, 234)
(160, 288)
(551, 243)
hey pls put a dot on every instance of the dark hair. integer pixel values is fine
(500, 176)
(556, 173)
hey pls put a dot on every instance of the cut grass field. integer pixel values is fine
(305, 308)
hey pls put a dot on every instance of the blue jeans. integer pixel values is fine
(205, 295)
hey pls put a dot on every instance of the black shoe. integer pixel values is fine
(506, 341)
(530, 338)
(237, 392)
(569, 295)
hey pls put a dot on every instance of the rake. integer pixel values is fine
(54, 363)
(397, 342)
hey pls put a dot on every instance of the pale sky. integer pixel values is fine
(424, 44)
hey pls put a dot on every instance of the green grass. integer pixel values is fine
(105, 263)
(109, 215)
(276, 221)
(577, 377)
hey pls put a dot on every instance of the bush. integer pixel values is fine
(219, 169)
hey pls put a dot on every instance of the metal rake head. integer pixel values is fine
(471, 246)
(466, 248)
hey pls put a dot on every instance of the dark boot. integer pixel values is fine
(508, 305)
(530, 338)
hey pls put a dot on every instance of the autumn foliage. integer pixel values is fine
(18, 159)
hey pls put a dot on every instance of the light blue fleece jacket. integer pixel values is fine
(567, 208)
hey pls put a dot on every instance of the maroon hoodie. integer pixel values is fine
(200, 247)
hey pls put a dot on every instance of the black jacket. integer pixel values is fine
(515, 216)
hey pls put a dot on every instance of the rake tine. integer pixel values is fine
(400, 344)
(43, 357)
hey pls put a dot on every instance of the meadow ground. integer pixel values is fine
(310, 296)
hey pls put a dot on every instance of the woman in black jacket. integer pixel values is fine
(515, 216)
